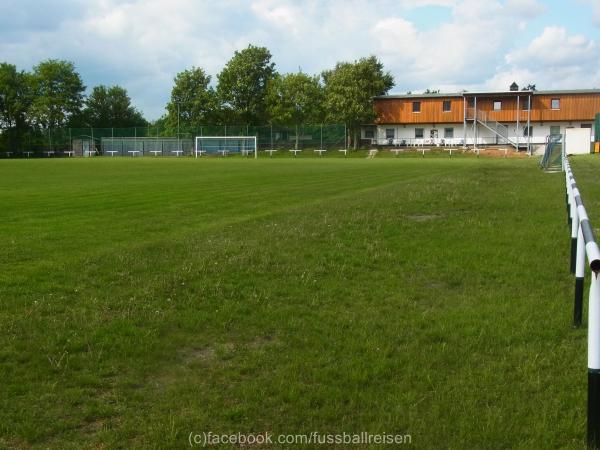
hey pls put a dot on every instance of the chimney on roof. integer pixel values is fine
(514, 86)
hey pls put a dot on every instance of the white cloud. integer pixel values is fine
(552, 60)
(462, 51)
(597, 14)
(525, 8)
(138, 44)
(554, 47)
(595, 10)
(142, 44)
(285, 17)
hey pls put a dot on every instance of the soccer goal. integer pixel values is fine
(224, 145)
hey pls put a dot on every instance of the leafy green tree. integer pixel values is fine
(108, 107)
(15, 98)
(294, 99)
(349, 92)
(193, 102)
(161, 124)
(242, 85)
(58, 93)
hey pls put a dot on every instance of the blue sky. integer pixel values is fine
(438, 44)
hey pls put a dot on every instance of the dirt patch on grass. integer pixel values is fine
(261, 341)
(198, 354)
(422, 217)
(92, 427)
(192, 359)
(500, 153)
(15, 443)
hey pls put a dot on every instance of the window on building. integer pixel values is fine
(555, 103)
(586, 125)
(528, 131)
(448, 132)
(416, 107)
(525, 102)
(419, 133)
(389, 133)
(447, 106)
(369, 133)
(497, 105)
(554, 129)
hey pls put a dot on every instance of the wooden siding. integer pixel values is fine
(573, 107)
(400, 110)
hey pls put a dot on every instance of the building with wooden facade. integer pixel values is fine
(521, 118)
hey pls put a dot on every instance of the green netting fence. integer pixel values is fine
(98, 141)
(553, 154)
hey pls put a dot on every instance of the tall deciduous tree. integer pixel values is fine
(15, 100)
(294, 99)
(193, 102)
(242, 85)
(349, 92)
(58, 93)
(111, 107)
(15, 97)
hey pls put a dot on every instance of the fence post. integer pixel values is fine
(321, 136)
(568, 195)
(586, 246)
(574, 230)
(593, 407)
(579, 276)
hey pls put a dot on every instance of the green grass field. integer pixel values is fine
(141, 300)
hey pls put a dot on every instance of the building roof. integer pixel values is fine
(489, 93)
(447, 94)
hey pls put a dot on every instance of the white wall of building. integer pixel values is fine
(406, 134)
(577, 141)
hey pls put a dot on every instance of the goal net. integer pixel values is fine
(225, 145)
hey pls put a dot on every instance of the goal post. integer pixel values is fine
(224, 145)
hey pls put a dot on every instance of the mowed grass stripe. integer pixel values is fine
(243, 203)
(437, 305)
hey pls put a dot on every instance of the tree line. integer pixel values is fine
(248, 91)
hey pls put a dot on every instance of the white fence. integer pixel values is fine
(584, 244)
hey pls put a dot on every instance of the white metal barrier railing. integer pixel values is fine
(584, 244)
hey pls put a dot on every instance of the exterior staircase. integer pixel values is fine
(500, 130)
